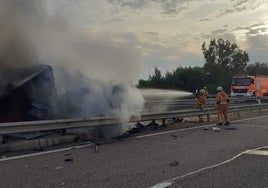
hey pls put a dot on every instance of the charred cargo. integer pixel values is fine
(27, 94)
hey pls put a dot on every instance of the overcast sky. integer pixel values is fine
(169, 33)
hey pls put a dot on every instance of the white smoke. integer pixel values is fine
(51, 32)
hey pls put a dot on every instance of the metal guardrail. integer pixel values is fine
(208, 112)
(45, 125)
(167, 105)
(19, 127)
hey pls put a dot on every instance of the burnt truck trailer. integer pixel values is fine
(27, 94)
(249, 86)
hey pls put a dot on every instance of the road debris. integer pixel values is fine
(177, 120)
(38, 149)
(230, 128)
(174, 136)
(174, 163)
(69, 159)
(216, 129)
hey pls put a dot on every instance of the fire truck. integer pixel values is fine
(249, 86)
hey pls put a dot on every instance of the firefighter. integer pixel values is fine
(201, 102)
(222, 106)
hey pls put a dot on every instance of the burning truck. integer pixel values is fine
(30, 93)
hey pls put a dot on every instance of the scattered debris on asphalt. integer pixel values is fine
(230, 128)
(38, 149)
(177, 120)
(174, 136)
(69, 159)
(174, 163)
(95, 145)
(139, 127)
(216, 129)
(221, 128)
(153, 124)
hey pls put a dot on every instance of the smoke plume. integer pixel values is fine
(93, 75)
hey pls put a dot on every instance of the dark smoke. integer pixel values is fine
(93, 76)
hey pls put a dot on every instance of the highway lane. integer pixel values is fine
(193, 157)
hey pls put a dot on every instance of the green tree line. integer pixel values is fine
(223, 60)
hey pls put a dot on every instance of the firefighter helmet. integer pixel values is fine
(202, 91)
(219, 88)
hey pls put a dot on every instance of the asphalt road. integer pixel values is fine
(191, 157)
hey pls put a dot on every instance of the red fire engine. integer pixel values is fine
(250, 86)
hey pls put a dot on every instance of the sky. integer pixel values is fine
(168, 34)
(127, 39)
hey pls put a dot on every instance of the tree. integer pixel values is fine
(190, 78)
(187, 79)
(223, 59)
(142, 84)
(155, 80)
(257, 68)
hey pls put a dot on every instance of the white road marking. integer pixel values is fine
(45, 152)
(260, 126)
(197, 127)
(169, 182)
(163, 184)
(258, 117)
(256, 152)
(178, 130)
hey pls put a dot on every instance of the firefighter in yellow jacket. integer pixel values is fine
(201, 102)
(222, 106)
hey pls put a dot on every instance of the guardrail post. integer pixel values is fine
(163, 122)
(1, 139)
(96, 133)
(208, 117)
(63, 131)
(259, 111)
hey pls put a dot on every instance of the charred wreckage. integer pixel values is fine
(26, 94)
(30, 94)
